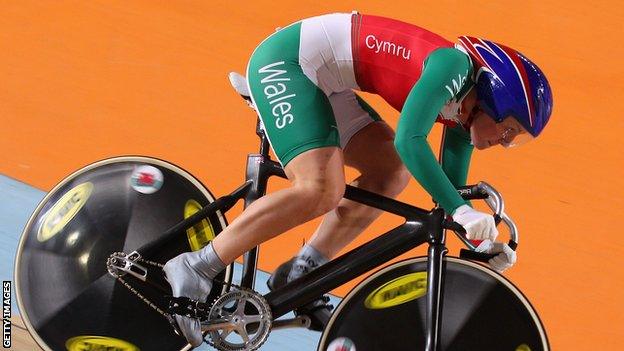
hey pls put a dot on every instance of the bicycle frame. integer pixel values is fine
(420, 227)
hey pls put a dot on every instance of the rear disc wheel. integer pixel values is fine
(66, 296)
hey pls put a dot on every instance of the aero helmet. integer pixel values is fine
(509, 84)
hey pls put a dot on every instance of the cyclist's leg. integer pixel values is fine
(317, 178)
(317, 185)
(368, 144)
(371, 151)
(299, 122)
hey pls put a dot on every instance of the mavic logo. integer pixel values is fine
(398, 291)
(63, 211)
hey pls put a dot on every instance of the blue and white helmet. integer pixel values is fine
(509, 84)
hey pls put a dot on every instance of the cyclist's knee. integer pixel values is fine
(331, 197)
(318, 177)
(388, 182)
(322, 194)
(398, 180)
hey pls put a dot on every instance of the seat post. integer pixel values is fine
(264, 141)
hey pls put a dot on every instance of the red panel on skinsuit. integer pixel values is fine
(389, 54)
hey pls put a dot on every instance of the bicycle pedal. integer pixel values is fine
(319, 312)
(184, 306)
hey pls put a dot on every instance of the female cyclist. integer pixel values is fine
(302, 80)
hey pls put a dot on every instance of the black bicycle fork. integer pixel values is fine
(435, 284)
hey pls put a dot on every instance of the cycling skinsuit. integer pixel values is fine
(302, 81)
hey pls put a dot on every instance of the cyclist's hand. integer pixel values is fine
(506, 256)
(478, 225)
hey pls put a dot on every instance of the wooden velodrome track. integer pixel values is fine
(86, 80)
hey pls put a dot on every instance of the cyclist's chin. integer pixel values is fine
(481, 144)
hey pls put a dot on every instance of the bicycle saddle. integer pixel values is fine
(239, 83)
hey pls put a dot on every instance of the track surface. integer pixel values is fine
(83, 81)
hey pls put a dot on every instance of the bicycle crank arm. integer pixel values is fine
(298, 322)
(119, 264)
(217, 324)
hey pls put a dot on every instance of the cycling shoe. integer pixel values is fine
(187, 278)
(319, 311)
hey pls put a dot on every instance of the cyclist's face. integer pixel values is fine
(486, 133)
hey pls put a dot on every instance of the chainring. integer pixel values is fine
(247, 316)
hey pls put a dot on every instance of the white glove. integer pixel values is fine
(506, 256)
(478, 225)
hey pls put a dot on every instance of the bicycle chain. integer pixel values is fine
(135, 292)
(168, 316)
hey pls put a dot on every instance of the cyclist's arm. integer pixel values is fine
(419, 112)
(455, 155)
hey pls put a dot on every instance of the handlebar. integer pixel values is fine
(484, 191)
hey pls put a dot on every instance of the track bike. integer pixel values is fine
(89, 264)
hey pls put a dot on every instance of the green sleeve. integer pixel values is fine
(444, 73)
(455, 154)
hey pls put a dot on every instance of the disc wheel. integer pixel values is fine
(481, 311)
(66, 297)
